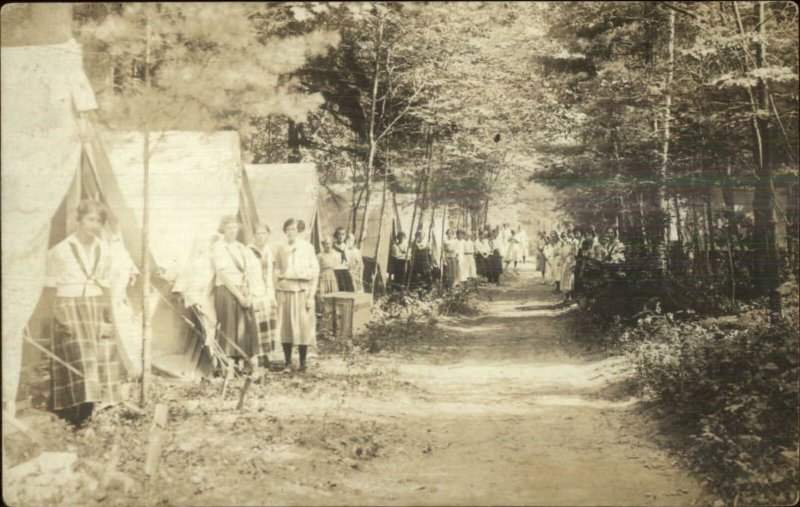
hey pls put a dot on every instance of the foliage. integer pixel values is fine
(734, 390)
(405, 318)
(195, 66)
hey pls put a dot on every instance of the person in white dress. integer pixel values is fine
(297, 272)
(524, 243)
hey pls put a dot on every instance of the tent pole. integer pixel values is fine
(441, 247)
(146, 237)
(380, 232)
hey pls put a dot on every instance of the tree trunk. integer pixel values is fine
(712, 248)
(380, 233)
(293, 143)
(373, 140)
(678, 224)
(764, 237)
(663, 203)
(146, 330)
(695, 230)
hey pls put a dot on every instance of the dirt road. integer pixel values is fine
(502, 409)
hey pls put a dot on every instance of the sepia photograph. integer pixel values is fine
(536, 253)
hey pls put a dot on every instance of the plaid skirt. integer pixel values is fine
(83, 338)
(266, 316)
(236, 332)
(296, 325)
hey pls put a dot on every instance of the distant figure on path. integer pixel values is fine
(524, 243)
(355, 263)
(342, 270)
(514, 250)
(328, 260)
(495, 265)
(421, 263)
(397, 260)
(452, 252)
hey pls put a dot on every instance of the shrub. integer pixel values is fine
(403, 318)
(734, 390)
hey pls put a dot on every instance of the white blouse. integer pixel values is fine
(75, 271)
(295, 266)
(239, 264)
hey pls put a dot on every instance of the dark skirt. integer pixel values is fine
(421, 262)
(480, 265)
(88, 368)
(494, 267)
(237, 334)
(344, 281)
(397, 269)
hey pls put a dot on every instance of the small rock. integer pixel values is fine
(196, 479)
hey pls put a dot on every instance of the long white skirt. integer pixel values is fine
(514, 253)
(296, 325)
(468, 269)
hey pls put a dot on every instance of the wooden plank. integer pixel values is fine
(155, 440)
(247, 384)
(18, 425)
(228, 377)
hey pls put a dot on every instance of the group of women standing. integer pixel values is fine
(261, 297)
(560, 255)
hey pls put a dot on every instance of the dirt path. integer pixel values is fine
(501, 409)
(515, 418)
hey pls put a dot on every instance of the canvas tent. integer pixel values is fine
(404, 214)
(195, 179)
(283, 191)
(44, 91)
(336, 209)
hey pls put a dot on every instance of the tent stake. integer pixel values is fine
(155, 440)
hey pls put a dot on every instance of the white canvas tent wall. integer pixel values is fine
(283, 191)
(405, 214)
(195, 179)
(42, 89)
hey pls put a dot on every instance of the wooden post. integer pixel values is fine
(247, 384)
(146, 235)
(380, 233)
(228, 377)
(155, 440)
(441, 247)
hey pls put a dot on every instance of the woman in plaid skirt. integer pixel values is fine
(85, 366)
(265, 307)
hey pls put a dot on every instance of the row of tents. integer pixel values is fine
(54, 155)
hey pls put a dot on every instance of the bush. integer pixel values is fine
(622, 292)
(734, 390)
(403, 318)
